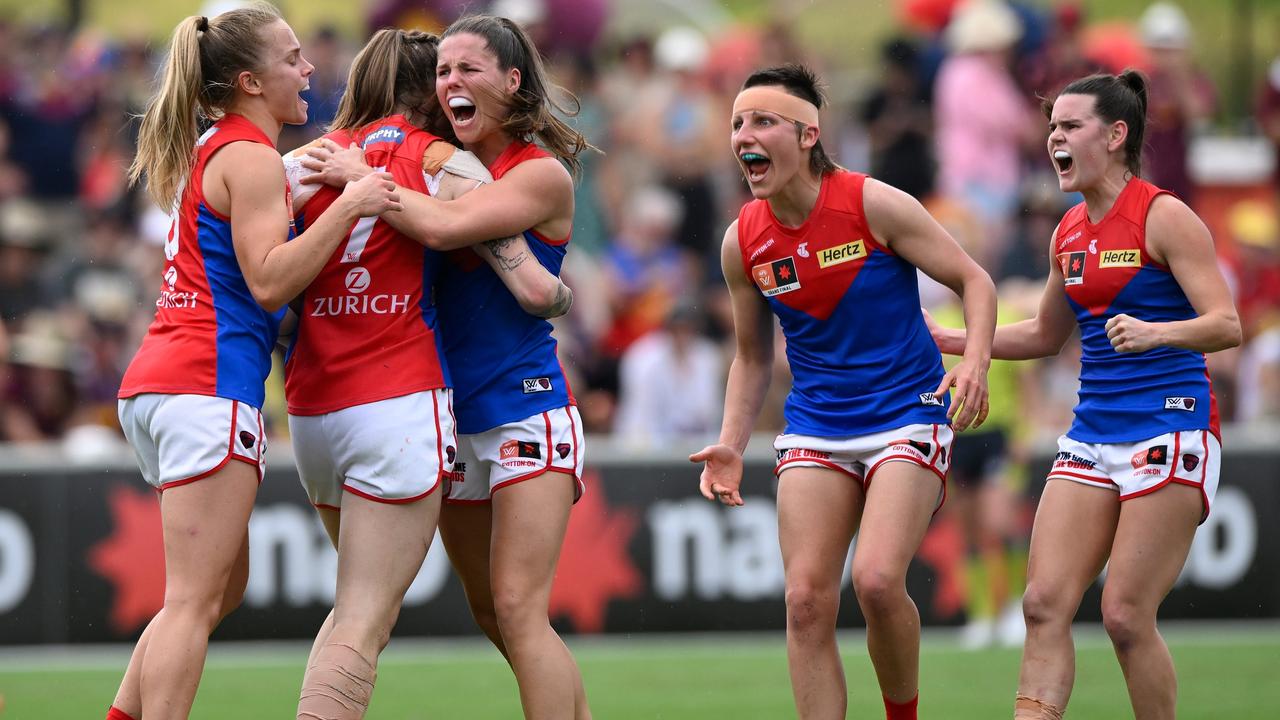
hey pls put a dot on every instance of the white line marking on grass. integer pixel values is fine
(595, 649)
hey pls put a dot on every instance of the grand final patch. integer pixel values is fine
(777, 277)
(1072, 267)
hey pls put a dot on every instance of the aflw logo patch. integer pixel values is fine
(842, 253)
(1119, 258)
(777, 277)
(1187, 404)
(928, 398)
(536, 385)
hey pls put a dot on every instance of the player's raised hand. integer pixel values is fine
(332, 164)
(373, 195)
(1130, 335)
(722, 474)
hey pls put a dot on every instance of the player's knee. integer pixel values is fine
(1125, 622)
(877, 589)
(204, 609)
(513, 612)
(1040, 606)
(811, 606)
(366, 632)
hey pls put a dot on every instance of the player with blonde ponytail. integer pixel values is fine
(190, 400)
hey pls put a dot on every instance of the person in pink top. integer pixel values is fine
(982, 119)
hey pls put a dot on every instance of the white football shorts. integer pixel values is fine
(926, 445)
(182, 438)
(1189, 457)
(551, 441)
(393, 451)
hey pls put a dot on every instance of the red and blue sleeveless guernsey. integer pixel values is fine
(209, 336)
(503, 359)
(1128, 397)
(862, 360)
(367, 326)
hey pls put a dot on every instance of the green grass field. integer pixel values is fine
(1224, 671)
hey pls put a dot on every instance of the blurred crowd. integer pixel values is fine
(951, 114)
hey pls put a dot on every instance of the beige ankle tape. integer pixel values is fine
(1026, 707)
(338, 685)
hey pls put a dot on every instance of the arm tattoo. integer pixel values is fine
(498, 247)
(563, 301)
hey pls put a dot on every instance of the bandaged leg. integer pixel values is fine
(1029, 708)
(337, 686)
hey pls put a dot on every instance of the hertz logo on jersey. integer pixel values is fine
(1119, 258)
(842, 253)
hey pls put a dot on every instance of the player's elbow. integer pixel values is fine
(547, 299)
(1230, 334)
(270, 296)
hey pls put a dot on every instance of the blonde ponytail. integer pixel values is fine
(197, 80)
(169, 125)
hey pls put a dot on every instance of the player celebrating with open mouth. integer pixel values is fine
(1136, 472)
(833, 254)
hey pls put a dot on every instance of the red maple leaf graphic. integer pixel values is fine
(594, 565)
(943, 551)
(1156, 454)
(784, 272)
(132, 558)
(1075, 264)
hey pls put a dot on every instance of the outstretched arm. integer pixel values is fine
(1037, 337)
(748, 379)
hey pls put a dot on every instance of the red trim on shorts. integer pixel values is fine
(1204, 496)
(262, 440)
(937, 455)
(1204, 469)
(390, 501)
(468, 501)
(231, 440)
(1146, 491)
(1177, 454)
(435, 411)
(546, 420)
(1173, 468)
(201, 476)
(231, 455)
(942, 476)
(454, 423)
(579, 486)
(322, 506)
(573, 432)
(777, 469)
(262, 447)
(1068, 475)
(908, 458)
(1204, 475)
